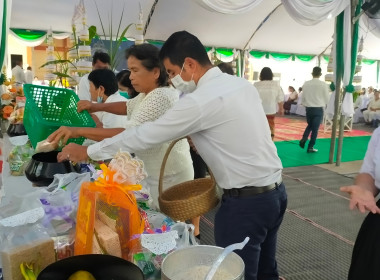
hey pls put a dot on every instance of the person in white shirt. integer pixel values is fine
(363, 195)
(125, 86)
(18, 74)
(149, 78)
(271, 95)
(104, 89)
(315, 95)
(29, 75)
(224, 117)
(100, 60)
(373, 108)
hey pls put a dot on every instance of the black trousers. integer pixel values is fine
(365, 261)
(314, 116)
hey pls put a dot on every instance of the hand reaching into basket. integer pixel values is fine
(86, 105)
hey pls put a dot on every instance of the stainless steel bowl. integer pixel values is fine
(193, 256)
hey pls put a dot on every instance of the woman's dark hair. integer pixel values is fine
(226, 68)
(103, 57)
(292, 88)
(105, 78)
(182, 44)
(266, 74)
(123, 78)
(148, 55)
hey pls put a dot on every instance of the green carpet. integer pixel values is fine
(292, 155)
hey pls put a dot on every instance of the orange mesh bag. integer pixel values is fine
(107, 218)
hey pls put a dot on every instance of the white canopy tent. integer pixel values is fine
(246, 31)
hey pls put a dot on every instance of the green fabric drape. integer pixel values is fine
(224, 51)
(368, 61)
(304, 57)
(377, 72)
(354, 48)
(280, 56)
(257, 54)
(3, 42)
(28, 34)
(326, 58)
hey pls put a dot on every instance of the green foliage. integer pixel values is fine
(115, 41)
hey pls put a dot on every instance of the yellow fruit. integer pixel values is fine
(81, 275)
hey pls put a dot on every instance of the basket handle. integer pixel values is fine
(164, 163)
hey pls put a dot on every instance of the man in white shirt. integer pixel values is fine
(18, 74)
(373, 108)
(100, 60)
(224, 117)
(315, 95)
(29, 76)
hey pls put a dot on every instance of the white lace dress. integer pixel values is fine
(149, 107)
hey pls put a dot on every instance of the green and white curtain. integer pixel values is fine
(5, 11)
(33, 38)
(311, 12)
(228, 6)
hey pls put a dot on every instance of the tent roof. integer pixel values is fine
(279, 32)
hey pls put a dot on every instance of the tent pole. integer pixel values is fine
(335, 120)
(340, 138)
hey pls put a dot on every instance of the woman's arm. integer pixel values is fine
(117, 108)
(96, 134)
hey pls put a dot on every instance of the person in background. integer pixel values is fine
(125, 86)
(226, 68)
(29, 75)
(292, 99)
(271, 95)
(104, 89)
(360, 105)
(315, 95)
(148, 77)
(224, 118)
(373, 108)
(18, 74)
(100, 60)
(366, 253)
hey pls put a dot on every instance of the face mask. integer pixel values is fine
(99, 99)
(181, 85)
(124, 94)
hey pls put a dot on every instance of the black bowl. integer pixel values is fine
(102, 267)
(42, 167)
(16, 129)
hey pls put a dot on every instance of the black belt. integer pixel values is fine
(251, 190)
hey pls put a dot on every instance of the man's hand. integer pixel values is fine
(74, 153)
(361, 198)
(62, 134)
(86, 105)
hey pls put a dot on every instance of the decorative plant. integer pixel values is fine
(114, 44)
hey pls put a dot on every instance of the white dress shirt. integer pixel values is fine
(227, 125)
(371, 162)
(110, 120)
(271, 94)
(18, 74)
(315, 93)
(84, 88)
(29, 76)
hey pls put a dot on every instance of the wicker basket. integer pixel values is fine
(189, 199)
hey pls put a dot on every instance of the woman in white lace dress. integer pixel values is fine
(150, 79)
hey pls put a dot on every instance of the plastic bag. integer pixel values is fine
(20, 155)
(60, 202)
(23, 239)
(107, 217)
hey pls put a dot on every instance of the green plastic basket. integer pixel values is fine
(48, 108)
